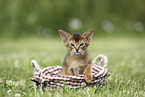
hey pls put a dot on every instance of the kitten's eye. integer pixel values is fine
(71, 44)
(82, 44)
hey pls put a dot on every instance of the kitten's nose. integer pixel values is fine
(77, 50)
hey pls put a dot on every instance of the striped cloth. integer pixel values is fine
(51, 77)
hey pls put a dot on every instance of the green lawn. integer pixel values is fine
(126, 56)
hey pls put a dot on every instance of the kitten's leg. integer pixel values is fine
(66, 71)
(76, 71)
(88, 73)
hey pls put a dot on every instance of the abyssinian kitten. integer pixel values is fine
(77, 60)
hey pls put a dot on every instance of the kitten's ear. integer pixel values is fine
(89, 34)
(64, 35)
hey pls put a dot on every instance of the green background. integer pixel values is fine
(44, 17)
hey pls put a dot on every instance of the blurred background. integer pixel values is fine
(44, 17)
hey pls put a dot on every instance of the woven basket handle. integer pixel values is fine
(36, 69)
(102, 58)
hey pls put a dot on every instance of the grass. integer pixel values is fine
(126, 64)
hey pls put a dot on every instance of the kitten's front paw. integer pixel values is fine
(88, 73)
(88, 77)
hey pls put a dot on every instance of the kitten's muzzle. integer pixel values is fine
(77, 50)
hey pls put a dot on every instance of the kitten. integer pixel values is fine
(77, 60)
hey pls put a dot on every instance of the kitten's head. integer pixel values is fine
(76, 43)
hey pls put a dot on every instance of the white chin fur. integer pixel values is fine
(77, 53)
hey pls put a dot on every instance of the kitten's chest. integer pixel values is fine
(77, 63)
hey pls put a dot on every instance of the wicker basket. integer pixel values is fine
(50, 76)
